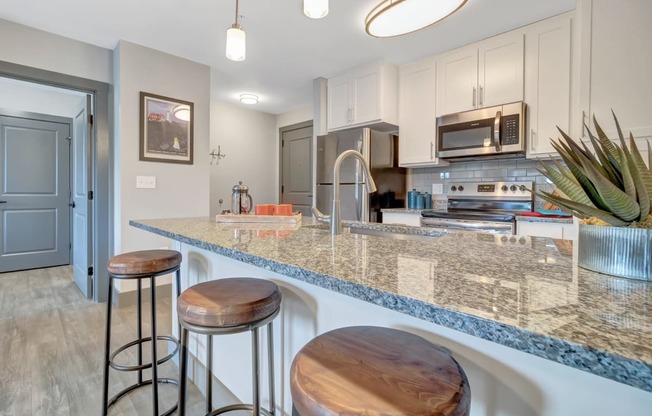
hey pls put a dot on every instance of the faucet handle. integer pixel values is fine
(326, 219)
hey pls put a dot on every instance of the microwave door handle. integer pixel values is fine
(497, 143)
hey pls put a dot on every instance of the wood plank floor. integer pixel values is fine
(51, 349)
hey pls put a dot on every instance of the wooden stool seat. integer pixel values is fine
(376, 371)
(228, 302)
(143, 262)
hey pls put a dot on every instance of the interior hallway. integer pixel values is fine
(51, 349)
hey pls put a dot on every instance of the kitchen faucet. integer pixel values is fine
(335, 219)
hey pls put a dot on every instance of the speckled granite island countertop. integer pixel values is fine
(522, 292)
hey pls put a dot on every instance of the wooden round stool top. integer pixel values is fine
(144, 262)
(228, 302)
(375, 371)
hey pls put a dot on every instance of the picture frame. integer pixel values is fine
(166, 129)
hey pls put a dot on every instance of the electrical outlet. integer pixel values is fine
(146, 182)
(437, 188)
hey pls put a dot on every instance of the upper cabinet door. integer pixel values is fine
(339, 109)
(366, 95)
(417, 115)
(457, 78)
(500, 70)
(547, 83)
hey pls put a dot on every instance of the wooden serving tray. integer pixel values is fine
(252, 218)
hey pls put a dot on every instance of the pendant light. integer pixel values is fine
(236, 40)
(398, 17)
(315, 9)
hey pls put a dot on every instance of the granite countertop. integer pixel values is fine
(526, 293)
(566, 220)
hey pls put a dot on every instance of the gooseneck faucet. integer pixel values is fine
(335, 219)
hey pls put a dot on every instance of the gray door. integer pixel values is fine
(296, 168)
(35, 193)
(81, 212)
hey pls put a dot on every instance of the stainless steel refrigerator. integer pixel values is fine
(380, 150)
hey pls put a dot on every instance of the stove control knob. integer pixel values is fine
(512, 188)
(504, 188)
(460, 188)
(453, 188)
(522, 188)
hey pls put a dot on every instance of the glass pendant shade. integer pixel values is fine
(236, 43)
(315, 9)
(398, 17)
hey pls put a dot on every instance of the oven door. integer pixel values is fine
(493, 227)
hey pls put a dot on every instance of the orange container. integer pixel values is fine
(283, 209)
(265, 209)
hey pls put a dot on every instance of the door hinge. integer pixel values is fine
(90, 119)
(282, 188)
(90, 195)
(282, 143)
(90, 271)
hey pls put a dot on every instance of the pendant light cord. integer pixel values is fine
(237, 4)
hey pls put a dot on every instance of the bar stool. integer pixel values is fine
(140, 265)
(375, 371)
(229, 306)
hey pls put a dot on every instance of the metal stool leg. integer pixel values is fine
(152, 288)
(107, 347)
(255, 371)
(183, 371)
(209, 374)
(139, 334)
(270, 358)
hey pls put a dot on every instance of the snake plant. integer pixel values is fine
(608, 185)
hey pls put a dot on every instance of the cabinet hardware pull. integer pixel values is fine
(533, 140)
(431, 148)
(480, 97)
(473, 97)
(583, 119)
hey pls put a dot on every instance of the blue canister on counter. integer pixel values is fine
(428, 201)
(421, 201)
(412, 199)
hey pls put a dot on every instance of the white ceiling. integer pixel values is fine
(285, 49)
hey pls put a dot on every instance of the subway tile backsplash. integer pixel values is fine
(495, 170)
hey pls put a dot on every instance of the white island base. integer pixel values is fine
(504, 381)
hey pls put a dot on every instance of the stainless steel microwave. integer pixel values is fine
(497, 132)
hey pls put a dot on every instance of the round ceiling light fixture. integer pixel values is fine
(398, 17)
(249, 99)
(315, 9)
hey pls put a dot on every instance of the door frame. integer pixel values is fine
(284, 129)
(101, 160)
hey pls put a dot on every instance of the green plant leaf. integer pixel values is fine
(615, 176)
(628, 181)
(618, 202)
(568, 186)
(564, 170)
(604, 140)
(643, 195)
(620, 132)
(584, 210)
(578, 171)
(639, 165)
(649, 156)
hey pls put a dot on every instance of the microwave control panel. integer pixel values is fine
(510, 129)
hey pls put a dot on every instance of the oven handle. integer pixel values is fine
(497, 142)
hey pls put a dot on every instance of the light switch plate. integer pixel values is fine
(146, 182)
(437, 188)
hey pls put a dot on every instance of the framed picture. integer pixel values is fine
(165, 129)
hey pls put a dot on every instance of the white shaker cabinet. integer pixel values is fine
(417, 115)
(616, 65)
(547, 83)
(363, 96)
(483, 74)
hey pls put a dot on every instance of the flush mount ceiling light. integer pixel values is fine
(182, 112)
(248, 98)
(315, 9)
(236, 39)
(398, 17)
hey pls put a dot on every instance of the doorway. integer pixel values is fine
(296, 167)
(92, 196)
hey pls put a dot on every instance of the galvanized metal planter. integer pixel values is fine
(617, 251)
